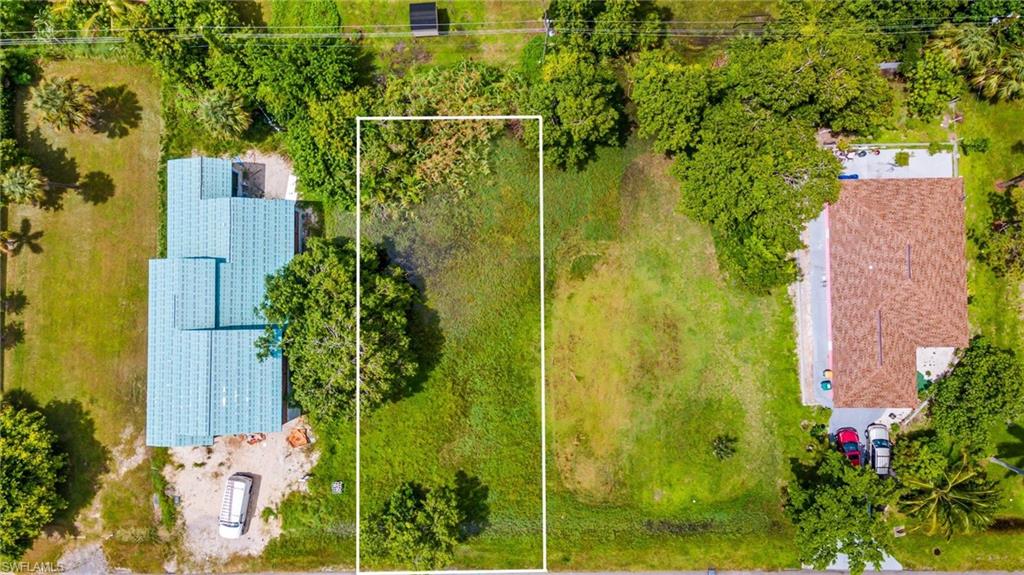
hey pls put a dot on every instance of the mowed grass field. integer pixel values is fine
(83, 358)
(650, 355)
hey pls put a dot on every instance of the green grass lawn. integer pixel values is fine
(83, 358)
(994, 311)
(650, 355)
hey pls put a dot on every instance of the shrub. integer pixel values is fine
(902, 159)
(724, 446)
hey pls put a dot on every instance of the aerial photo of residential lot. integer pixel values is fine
(511, 286)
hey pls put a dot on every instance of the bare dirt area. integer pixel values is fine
(198, 476)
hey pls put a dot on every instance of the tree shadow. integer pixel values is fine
(14, 334)
(15, 302)
(472, 496)
(428, 339)
(96, 187)
(25, 237)
(88, 459)
(60, 169)
(1012, 451)
(1017, 147)
(117, 111)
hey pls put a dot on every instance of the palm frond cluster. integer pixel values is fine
(990, 56)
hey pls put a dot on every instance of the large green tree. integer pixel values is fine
(65, 103)
(932, 83)
(581, 104)
(30, 471)
(606, 27)
(310, 304)
(756, 178)
(985, 388)
(837, 508)
(960, 499)
(417, 528)
(671, 98)
(815, 67)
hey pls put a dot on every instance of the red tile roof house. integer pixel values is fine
(898, 282)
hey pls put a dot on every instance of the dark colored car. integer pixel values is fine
(848, 443)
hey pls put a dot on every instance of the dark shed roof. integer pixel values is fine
(423, 19)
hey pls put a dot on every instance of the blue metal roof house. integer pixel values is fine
(204, 377)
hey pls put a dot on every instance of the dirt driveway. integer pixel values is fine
(198, 477)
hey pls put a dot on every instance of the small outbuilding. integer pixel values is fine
(423, 19)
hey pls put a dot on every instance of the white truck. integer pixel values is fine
(234, 506)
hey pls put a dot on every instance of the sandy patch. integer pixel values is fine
(85, 559)
(198, 477)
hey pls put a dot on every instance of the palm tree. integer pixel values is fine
(959, 501)
(22, 184)
(12, 242)
(969, 46)
(223, 112)
(113, 11)
(65, 102)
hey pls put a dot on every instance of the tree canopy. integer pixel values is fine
(30, 471)
(960, 499)
(813, 67)
(416, 527)
(670, 98)
(581, 104)
(310, 304)
(756, 178)
(837, 508)
(606, 27)
(986, 387)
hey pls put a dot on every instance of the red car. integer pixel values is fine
(848, 443)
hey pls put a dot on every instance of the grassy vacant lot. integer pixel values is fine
(650, 356)
(653, 355)
(995, 311)
(84, 354)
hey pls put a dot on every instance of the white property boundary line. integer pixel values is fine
(543, 378)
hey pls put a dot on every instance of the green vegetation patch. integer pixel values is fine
(83, 280)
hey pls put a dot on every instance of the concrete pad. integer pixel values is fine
(883, 164)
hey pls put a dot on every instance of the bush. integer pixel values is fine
(724, 446)
(974, 145)
(902, 159)
(932, 83)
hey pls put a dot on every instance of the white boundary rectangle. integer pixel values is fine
(543, 378)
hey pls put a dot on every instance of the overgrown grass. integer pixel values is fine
(84, 354)
(650, 355)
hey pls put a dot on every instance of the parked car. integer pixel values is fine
(848, 443)
(234, 506)
(879, 447)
